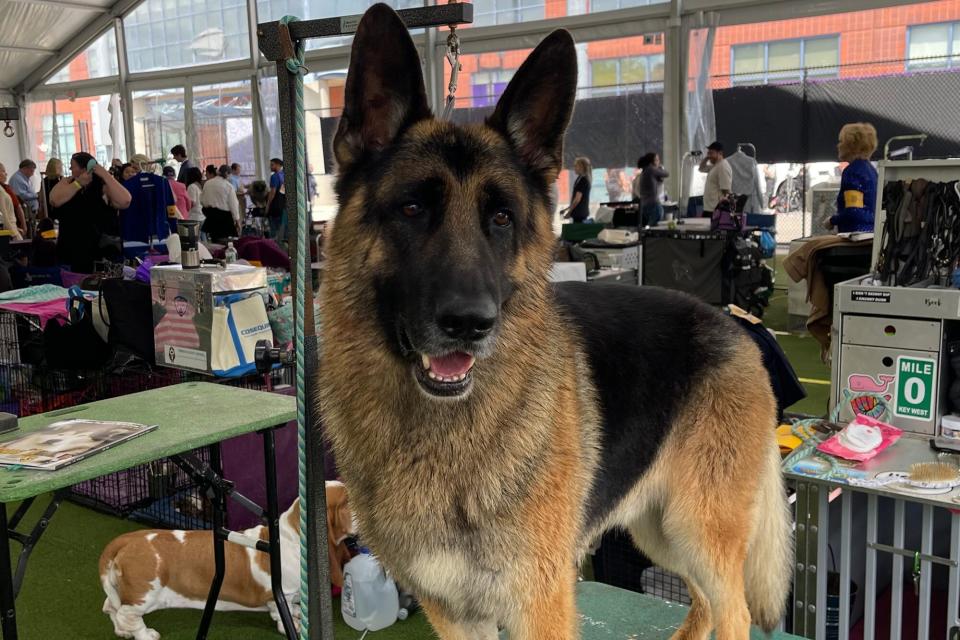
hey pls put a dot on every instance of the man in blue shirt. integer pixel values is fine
(277, 201)
(20, 181)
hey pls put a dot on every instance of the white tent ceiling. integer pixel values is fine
(32, 32)
(39, 36)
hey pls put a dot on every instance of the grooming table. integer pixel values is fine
(189, 416)
(609, 613)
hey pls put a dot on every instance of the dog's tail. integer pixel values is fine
(769, 563)
(110, 574)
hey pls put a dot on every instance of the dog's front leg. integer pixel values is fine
(447, 629)
(548, 610)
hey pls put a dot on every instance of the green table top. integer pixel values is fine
(608, 612)
(190, 415)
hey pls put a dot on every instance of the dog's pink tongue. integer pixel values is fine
(452, 364)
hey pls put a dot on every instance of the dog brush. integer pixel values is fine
(922, 475)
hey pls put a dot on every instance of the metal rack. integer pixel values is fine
(278, 42)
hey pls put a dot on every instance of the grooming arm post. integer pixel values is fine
(280, 42)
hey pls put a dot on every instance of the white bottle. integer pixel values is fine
(370, 600)
(230, 255)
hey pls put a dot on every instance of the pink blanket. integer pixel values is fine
(43, 310)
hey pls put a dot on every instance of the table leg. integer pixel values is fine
(219, 511)
(273, 527)
(7, 598)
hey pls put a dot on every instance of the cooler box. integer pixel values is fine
(184, 318)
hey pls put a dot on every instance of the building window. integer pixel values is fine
(490, 12)
(933, 46)
(613, 76)
(166, 34)
(486, 87)
(99, 60)
(785, 60)
(66, 136)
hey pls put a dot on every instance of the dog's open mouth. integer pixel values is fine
(447, 376)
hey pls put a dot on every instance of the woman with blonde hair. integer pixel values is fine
(579, 209)
(857, 200)
(52, 175)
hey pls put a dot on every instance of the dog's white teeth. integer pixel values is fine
(433, 376)
(425, 360)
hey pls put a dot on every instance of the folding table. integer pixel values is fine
(188, 416)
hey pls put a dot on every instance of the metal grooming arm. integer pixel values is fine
(277, 42)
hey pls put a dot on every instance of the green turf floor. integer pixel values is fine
(61, 596)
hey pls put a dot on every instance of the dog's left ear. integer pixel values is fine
(384, 93)
(535, 109)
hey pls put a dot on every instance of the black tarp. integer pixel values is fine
(788, 123)
(799, 123)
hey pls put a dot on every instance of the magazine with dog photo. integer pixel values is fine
(66, 442)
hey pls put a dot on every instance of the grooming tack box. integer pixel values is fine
(891, 341)
(183, 309)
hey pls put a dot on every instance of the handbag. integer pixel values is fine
(130, 315)
(239, 322)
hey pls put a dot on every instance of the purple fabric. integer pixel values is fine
(243, 465)
(143, 271)
(45, 311)
(70, 279)
(265, 251)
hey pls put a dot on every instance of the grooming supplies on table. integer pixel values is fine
(862, 439)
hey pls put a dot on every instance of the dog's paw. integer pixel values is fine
(147, 634)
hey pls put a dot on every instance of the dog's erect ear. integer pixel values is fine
(384, 92)
(535, 108)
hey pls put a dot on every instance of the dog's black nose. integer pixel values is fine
(468, 320)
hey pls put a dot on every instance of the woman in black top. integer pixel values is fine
(87, 205)
(579, 209)
(51, 177)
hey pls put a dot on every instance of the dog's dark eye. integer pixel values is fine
(411, 209)
(503, 218)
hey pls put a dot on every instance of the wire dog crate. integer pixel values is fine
(158, 494)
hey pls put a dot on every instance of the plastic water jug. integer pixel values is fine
(369, 599)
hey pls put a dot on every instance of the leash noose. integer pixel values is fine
(294, 65)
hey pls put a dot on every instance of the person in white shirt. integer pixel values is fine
(220, 207)
(8, 214)
(719, 178)
(194, 182)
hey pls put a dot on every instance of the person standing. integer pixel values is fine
(614, 185)
(9, 214)
(649, 188)
(579, 209)
(277, 200)
(179, 153)
(857, 200)
(719, 178)
(89, 196)
(51, 177)
(237, 183)
(17, 209)
(220, 208)
(180, 197)
(22, 183)
(194, 193)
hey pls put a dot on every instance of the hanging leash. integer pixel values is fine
(293, 54)
(453, 57)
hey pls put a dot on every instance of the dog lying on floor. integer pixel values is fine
(145, 571)
(339, 527)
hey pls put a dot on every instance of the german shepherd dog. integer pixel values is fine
(490, 426)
